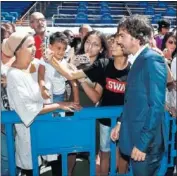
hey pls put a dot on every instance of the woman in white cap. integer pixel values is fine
(24, 94)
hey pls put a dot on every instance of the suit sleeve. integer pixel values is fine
(155, 73)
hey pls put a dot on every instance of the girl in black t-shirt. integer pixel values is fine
(94, 46)
(110, 76)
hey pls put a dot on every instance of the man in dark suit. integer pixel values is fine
(142, 129)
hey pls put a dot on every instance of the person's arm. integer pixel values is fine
(44, 91)
(41, 73)
(155, 82)
(115, 132)
(75, 90)
(93, 93)
(66, 70)
(67, 106)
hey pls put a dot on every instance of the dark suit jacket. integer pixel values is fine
(143, 121)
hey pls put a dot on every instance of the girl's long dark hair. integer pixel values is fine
(104, 53)
(164, 41)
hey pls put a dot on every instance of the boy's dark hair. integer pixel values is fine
(58, 37)
(164, 23)
(138, 26)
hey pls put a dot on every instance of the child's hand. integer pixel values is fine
(45, 93)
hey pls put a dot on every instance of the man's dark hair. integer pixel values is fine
(138, 26)
(58, 37)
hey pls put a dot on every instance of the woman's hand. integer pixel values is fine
(69, 106)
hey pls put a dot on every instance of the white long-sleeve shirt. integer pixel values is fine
(25, 98)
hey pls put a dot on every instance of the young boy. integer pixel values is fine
(51, 82)
(52, 85)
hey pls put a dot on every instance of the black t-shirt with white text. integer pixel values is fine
(113, 82)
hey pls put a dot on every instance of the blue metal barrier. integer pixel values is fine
(52, 133)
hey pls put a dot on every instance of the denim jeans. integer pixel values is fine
(58, 98)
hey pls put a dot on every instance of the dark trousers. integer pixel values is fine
(149, 167)
(56, 167)
(27, 172)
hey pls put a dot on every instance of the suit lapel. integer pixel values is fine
(140, 57)
(138, 62)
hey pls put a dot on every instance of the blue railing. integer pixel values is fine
(63, 133)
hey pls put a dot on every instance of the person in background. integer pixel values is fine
(163, 28)
(171, 104)
(84, 29)
(10, 28)
(110, 75)
(110, 39)
(169, 46)
(39, 24)
(76, 43)
(152, 44)
(24, 94)
(5, 65)
(70, 35)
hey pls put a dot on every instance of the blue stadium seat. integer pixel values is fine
(82, 8)
(59, 21)
(104, 4)
(81, 18)
(2, 18)
(106, 19)
(15, 14)
(104, 10)
(170, 12)
(4, 14)
(85, 3)
(143, 4)
(16, 6)
(162, 5)
(149, 10)
(10, 18)
(156, 18)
